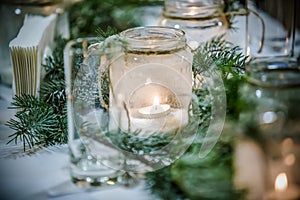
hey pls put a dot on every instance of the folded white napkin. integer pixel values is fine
(27, 51)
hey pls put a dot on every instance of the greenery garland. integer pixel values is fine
(42, 121)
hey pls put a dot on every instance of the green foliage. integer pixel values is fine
(37, 123)
(192, 178)
(207, 178)
(163, 186)
(229, 61)
(88, 14)
(103, 34)
(131, 142)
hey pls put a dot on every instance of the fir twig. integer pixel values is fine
(103, 34)
(36, 121)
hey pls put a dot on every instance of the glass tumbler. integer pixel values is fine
(85, 169)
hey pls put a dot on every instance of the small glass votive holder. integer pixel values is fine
(200, 19)
(272, 92)
(85, 169)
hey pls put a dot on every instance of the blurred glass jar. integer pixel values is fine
(271, 116)
(200, 19)
(271, 28)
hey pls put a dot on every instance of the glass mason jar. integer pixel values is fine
(271, 118)
(271, 28)
(154, 70)
(144, 94)
(200, 19)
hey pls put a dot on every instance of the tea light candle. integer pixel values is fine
(156, 110)
(282, 190)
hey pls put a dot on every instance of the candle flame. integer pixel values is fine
(281, 182)
(156, 101)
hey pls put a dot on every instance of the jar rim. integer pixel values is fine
(154, 39)
(275, 73)
(198, 9)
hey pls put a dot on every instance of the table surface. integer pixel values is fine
(45, 173)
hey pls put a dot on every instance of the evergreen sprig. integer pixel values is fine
(131, 142)
(36, 122)
(230, 62)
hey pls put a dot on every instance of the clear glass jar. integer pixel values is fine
(271, 28)
(200, 19)
(193, 9)
(136, 119)
(155, 66)
(271, 117)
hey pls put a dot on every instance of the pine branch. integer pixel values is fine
(103, 34)
(228, 59)
(36, 120)
(229, 62)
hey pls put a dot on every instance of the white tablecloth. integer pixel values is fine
(44, 174)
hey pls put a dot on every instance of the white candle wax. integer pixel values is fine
(175, 118)
(155, 110)
(149, 120)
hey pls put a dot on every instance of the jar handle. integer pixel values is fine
(263, 26)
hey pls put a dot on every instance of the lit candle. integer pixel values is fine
(157, 118)
(282, 189)
(154, 111)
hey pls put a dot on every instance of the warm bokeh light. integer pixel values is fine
(281, 182)
(290, 159)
